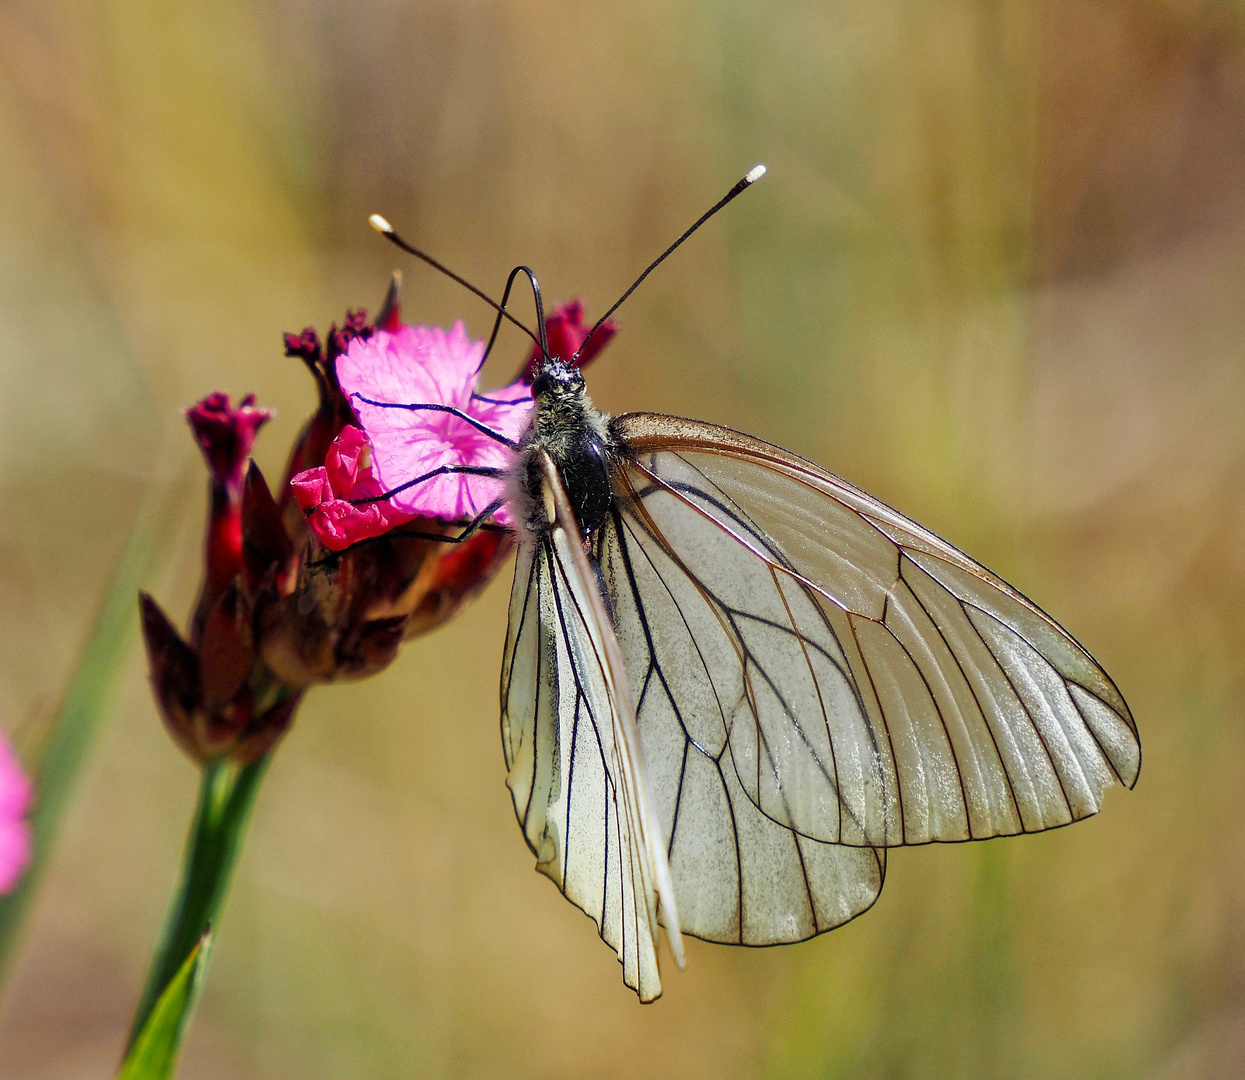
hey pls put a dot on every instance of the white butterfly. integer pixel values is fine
(732, 680)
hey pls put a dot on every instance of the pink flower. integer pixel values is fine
(429, 461)
(423, 448)
(15, 793)
(323, 493)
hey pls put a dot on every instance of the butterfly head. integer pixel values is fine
(557, 381)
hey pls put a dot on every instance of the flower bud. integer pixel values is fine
(566, 334)
(225, 434)
(333, 411)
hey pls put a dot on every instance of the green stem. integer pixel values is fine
(226, 797)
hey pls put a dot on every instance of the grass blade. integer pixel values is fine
(90, 689)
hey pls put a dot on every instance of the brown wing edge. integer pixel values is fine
(642, 433)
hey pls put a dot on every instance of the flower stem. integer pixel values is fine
(226, 797)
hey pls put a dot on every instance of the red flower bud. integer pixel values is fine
(225, 434)
(333, 412)
(566, 333)
(390, 317)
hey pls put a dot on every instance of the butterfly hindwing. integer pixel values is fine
(740, 876)
(871, 684)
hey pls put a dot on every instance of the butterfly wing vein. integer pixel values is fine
(572, 795)
(869, 683)
(740, 876)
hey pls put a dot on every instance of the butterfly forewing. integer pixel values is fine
(870, 684)
(576, 786)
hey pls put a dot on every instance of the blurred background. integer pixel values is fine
(996, 276)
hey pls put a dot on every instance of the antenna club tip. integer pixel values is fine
(754, 174)
(382, 226)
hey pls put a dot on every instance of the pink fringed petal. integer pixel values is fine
(406, 460)
(331, 515)
(338, 523)
(420, 365)
(311, 488)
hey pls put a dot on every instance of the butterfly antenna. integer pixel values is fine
(543, 343)
(387, 231)
(753, 175)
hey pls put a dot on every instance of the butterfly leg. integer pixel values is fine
(477, 523)
(444, 470)
(481, 427)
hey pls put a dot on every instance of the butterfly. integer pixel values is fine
(731, 681)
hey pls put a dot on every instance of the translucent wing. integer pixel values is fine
(572, 750)
(869, 683)
(741, 877)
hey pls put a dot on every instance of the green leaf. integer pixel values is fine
(154, 1052)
